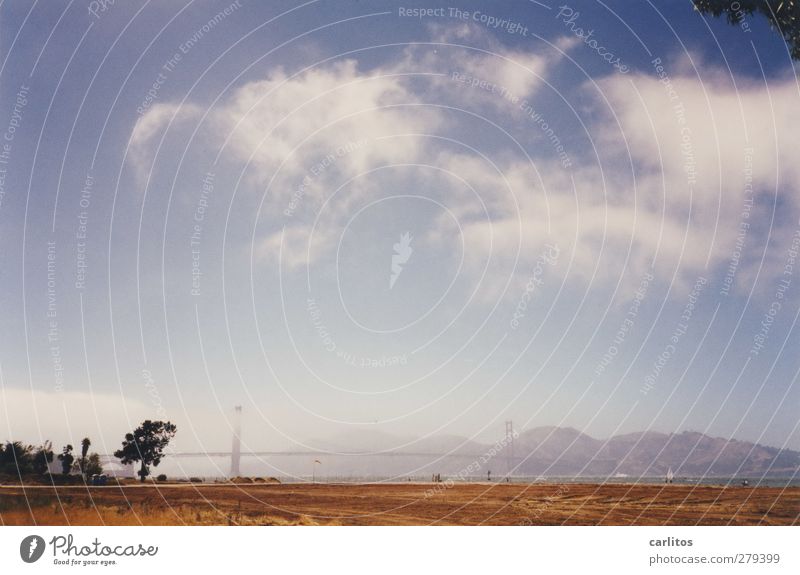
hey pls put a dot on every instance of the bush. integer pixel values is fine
(16, 459)
(161, 477)
(93, 466)
(195, 480)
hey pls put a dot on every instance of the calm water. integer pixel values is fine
(753, 481)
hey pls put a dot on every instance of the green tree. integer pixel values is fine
(783, 16)
(42, 458)
(66, 458)
(146, 445)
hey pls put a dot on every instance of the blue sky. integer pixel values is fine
(222, 187)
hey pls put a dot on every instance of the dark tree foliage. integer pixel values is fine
(67, 459)
(20, 460)
(42, 457)
(83, 461)
(93, 466)
(146, 445)
(783, 16)
(16, 459)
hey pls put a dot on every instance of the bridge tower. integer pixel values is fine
(509, 446)
(236, 451)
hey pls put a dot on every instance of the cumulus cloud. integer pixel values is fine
(659, 179)
(669, 187)
(477, 57)
(700, 146)
(291, 122)
(291, 130)
(149, 128)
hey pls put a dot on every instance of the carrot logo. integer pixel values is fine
(402, 252)
(31, 548)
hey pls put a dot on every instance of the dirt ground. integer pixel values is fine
(398, 504)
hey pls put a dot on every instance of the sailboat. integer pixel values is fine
(670, 475)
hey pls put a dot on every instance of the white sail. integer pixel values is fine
(670, 475)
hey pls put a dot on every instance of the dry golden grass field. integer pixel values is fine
(398, 504)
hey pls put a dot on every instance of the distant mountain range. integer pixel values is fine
(558, 451)
(554, 451)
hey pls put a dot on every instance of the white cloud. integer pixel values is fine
(293, 123)
(148, 129)
(632, 201)
(285, 126)
(707, 130)
(640, 208)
